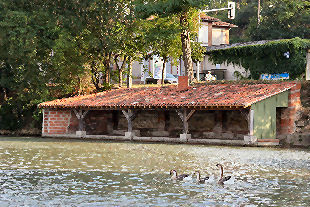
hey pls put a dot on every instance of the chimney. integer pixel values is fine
(182, 82)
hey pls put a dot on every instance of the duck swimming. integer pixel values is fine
(222, 178)
(199, 179)
(175, 175)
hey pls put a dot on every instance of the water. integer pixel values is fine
(53, 172)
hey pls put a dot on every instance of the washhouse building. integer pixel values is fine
(238, 114)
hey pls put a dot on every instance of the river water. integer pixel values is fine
(55, 172)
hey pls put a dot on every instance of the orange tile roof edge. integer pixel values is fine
(215, 21)
(202, 95)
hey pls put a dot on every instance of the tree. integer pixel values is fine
(131, 43)
(163, 37)
(184, 10)
(97, 37)
(282, 19)
(111, 34)
(28, 73)
(278, 19)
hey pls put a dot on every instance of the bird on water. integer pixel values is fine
(175, 176)
(199, 179)
(222, 178)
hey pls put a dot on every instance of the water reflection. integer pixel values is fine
(49, 172)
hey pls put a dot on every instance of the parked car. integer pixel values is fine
(169, 79)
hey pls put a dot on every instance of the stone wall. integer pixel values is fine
(289, 114)
(296, 128)
(302, 120)
(230, 124)
(99, 122)
(202, 124)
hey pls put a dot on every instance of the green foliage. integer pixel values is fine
(198, 51)
(268, 57)
(239, 76)
(166, 8)
(29, 72)
(279, 19)
(282, 19)
(163, 37)
(67, 62)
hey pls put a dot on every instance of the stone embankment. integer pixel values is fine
(301, 135)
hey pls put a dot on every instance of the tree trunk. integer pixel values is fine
(129, 75)
(120, 69)
(95, 76)
(258, 13)
(186, 47)
(4, 94)
(107, 61)
(163, 72)
(120, 78)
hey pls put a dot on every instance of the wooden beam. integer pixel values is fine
(80, 114)
(190, 114)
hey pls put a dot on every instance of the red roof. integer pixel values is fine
(214, 95)
(203, 16)
(215, 22)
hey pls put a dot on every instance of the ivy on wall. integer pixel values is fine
(267, 58)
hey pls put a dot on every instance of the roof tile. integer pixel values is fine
(240, 95)
(215, 21)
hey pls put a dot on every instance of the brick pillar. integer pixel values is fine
(209, 33)
(55, 121)
(182, 82)
(289, 115)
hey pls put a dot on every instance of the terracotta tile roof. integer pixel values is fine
(205, 17)
(216, 95)
(215, 22)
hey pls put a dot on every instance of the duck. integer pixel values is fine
(199, 179)
(222, 178)
(175, 175)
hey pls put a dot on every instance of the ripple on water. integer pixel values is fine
(43, 172)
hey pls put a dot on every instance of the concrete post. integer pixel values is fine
(130, 116)
(185, 117)
(250, 138)
(80, 115)
(251, 122)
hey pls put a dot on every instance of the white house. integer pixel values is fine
(212, 32)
